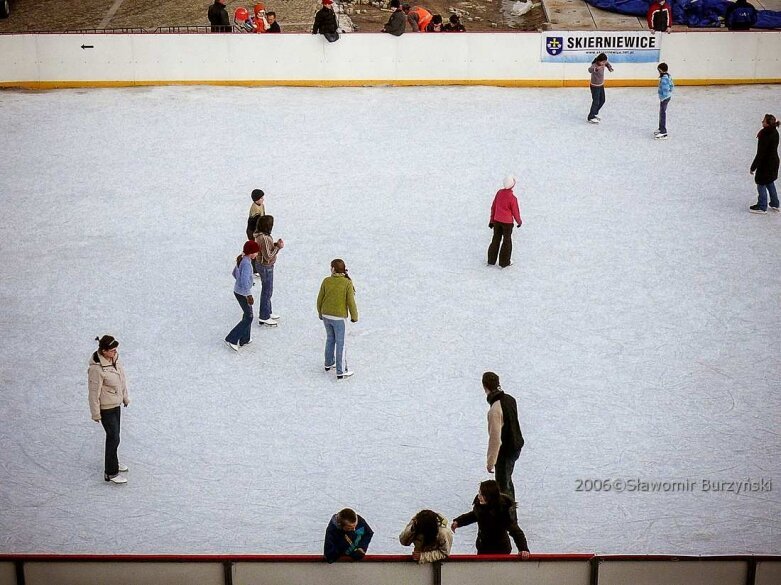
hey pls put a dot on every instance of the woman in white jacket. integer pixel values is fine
(107, 391)
(430, 535)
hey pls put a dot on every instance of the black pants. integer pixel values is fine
(110, 421)
(503, 234)
(505, 464)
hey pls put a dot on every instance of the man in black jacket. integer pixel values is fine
(326, 23)
(505, 440)
(218, 17)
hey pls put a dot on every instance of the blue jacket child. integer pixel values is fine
(347, 535)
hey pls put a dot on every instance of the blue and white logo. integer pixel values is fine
(554, 45)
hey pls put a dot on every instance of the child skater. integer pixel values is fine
(265, 267)
(666, 86)
(597, 85)
(242, 290)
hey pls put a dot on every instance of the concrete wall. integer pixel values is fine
(58, 60)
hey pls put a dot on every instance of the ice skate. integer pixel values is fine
(661, 136)
(594, 121)
(122, 468)
(345, 374)
(247, 343)
(233, 346)
(329, 368)
(115, 479)
(274, 316)
(757, 209)
(268, 322)
(776, 209)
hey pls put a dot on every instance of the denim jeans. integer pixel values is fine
(597, 100)
(503, 234)
(663, 115)
(267, 289)
(110, 418)
(763, 190)
(503, 471)
(241, 332)
(334, 344)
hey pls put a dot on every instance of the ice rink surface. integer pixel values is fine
(639, 327)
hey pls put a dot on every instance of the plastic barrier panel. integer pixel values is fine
(513, 573)
(103, 573)
(7, 574)
(672, 572)
(343, 573)
(768, 573)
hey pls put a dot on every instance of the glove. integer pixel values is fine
(490, 226)
(520, 224)
(250, 300)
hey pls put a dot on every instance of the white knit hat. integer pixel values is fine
(509, 182)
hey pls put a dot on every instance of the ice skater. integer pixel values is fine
(665, 92)
(495, 515)
(505, 439)
(347, 537)
(265, 267)
(334, 301)
(764, 167)
(597, 86)
(256, 210)
(107, 389)
(504, 210)
(241, 334)
(429, 534)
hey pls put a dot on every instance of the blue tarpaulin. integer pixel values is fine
(694, 13)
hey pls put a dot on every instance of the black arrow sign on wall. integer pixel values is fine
(87, 47)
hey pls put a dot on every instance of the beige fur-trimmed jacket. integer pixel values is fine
(107, 384)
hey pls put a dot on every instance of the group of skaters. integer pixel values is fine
(348, 535)
(765, 165)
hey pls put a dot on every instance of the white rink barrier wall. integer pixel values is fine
(578, 569)
(40, 61)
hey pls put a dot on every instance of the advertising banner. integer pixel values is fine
(583, 46)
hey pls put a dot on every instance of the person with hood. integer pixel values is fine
(503, 210)
(665, 92)
(430, 536)
(505, 439)
(258, 20)
(334, 301)
(240, 335)
(218, 17)
(418, 17)
(740, 15)
(397, 22)
(347, 537)
(597, 86)
(107, 390)
(495, 515)
(265, 267)
(660, 16)
(326, 23)
(764, 167)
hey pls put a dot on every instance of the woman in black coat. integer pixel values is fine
(765, 165)
(494, 513)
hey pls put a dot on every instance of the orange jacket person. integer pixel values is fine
(259, 23)
(418, 17)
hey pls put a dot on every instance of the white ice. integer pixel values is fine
(639, 327)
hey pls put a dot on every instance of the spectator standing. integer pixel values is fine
(397, 22)
(505, 439)
(326, 23)
(218, 17)
(454, 24)
(273, 25)
(495, 515)
(334, 301)
(418, 17)
(240, 335)
(347, 536)
(504, 210)
(430, 536)
(764, 167)
(660, 16)
(740, 15)
(107, 390)
(597, 86)
(267, 257)
(665, 92)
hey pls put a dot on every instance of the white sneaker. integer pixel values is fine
(233, 346)
(268, 322)
(122, 468)
(115, 479)
(345, 374)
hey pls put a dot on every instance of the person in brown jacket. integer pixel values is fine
(107, 391)
(428, 532)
